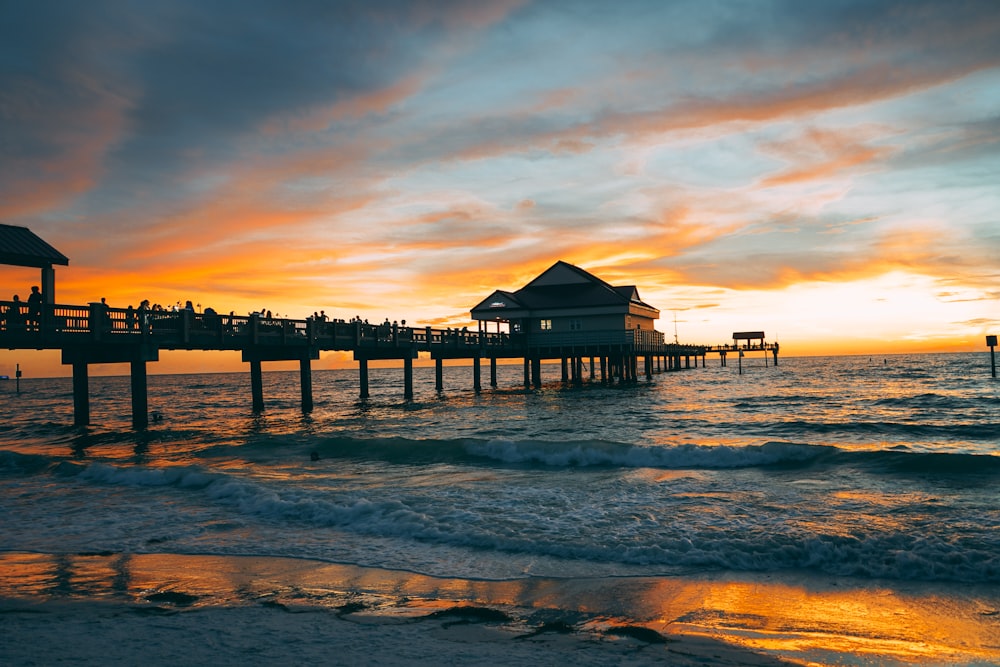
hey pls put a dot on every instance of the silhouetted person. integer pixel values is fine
(15, 320)
(35, 301)
(106, 323)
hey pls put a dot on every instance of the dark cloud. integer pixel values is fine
(176, 87)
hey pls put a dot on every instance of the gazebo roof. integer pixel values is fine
(561, 286)
(19, 246)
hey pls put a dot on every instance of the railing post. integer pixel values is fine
(185, 325)
(96, 320)
(45, 318)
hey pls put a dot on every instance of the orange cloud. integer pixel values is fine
(822, 154)
(65, 157)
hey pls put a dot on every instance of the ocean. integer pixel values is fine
(876, 467)
(880, 468)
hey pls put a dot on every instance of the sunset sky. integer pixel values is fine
(828, 172)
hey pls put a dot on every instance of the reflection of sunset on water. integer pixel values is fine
(812, 622)
(820, 620)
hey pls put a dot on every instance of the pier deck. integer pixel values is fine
(96, 333)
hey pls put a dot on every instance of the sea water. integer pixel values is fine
(874, 467)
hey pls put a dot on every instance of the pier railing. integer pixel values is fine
(55, 326)
(51, 326)
(96, 334)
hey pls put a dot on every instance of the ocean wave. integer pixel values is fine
(592, 453)
(24, 464)
(597, 453)
(765, 542)
(560, 454)
(873, 430)
(554, 454)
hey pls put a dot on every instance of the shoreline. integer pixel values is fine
(81, 606)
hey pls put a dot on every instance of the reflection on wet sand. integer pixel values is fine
(792, 617)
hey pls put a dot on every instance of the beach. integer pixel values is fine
(830, 511)
(169, 609)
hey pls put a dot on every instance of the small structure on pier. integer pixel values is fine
(749, 337)
(19, 246)
(567, 313)
(565, 299)
(751, 340)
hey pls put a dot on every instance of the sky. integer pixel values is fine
(825, 171)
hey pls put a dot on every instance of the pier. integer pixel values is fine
(98, 334)
(565, 314)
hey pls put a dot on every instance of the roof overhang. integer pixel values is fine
(19, 246)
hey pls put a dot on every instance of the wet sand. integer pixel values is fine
(170, 609)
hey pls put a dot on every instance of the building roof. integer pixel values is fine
(562, 286)
(19, 246)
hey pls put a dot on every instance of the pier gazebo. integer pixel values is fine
(568, 313)
(564, 302)
(19, 246)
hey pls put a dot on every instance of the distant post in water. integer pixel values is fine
(991, 341)
(17, 379)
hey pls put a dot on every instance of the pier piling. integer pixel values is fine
(256, 386)
(408, 378)
(81, 394)
(140, 397)
(363, 377)
(991, 341)
(305, 382)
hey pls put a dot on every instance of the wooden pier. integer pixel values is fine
(564, 314)
(98, 334)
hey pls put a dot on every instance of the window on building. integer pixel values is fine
(545, 325)
(576, 325)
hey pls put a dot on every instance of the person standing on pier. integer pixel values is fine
(144, 319)
(15, 322)
(35, 309)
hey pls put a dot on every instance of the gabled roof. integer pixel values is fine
(499, 299)
(563, 285)
(631, 293)
(19, 246)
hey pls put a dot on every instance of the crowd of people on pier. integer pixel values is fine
(23, 316)
(20, 316)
